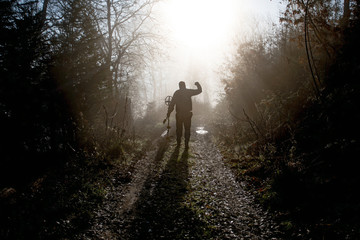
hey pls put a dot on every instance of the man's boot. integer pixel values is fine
(178, 142)
(186, 144)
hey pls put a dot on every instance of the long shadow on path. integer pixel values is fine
(160, 212)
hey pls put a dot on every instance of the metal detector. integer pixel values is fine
(167, 103)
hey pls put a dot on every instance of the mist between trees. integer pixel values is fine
(70, 73)
(293, 125)
(72, 83)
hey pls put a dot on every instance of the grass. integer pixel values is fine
(61, 202)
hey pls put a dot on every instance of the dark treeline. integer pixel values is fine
(289, 120)
(66, 70)
(293, 97)
(67, 74)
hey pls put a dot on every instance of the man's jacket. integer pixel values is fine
(182, 100)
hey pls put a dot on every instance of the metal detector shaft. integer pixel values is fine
(168, 127)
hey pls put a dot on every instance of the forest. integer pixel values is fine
(84, 153)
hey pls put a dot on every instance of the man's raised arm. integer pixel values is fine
(198, 90)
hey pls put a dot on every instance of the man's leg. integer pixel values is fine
(187, 125)
(179, 126)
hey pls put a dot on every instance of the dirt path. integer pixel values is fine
(178, 194)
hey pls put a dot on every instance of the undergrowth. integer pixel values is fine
(307, 178)
(296, 149)
(61, 202)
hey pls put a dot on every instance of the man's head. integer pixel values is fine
(182, 85)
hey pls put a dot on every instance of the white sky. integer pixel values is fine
(201, 33)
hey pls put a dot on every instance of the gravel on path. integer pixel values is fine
(178, 194)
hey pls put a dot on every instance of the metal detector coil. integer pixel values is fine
(168, 100)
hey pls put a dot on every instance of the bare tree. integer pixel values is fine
(127, 38)
(128, 44)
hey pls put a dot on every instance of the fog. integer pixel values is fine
(86, 153)
(199, 40)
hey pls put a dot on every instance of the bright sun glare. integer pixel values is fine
(200, 24)
(201, 34)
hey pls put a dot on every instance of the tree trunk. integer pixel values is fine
(346, 15)
(109, 54)
(43, 12)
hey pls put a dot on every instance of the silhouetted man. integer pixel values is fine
(182, 100)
